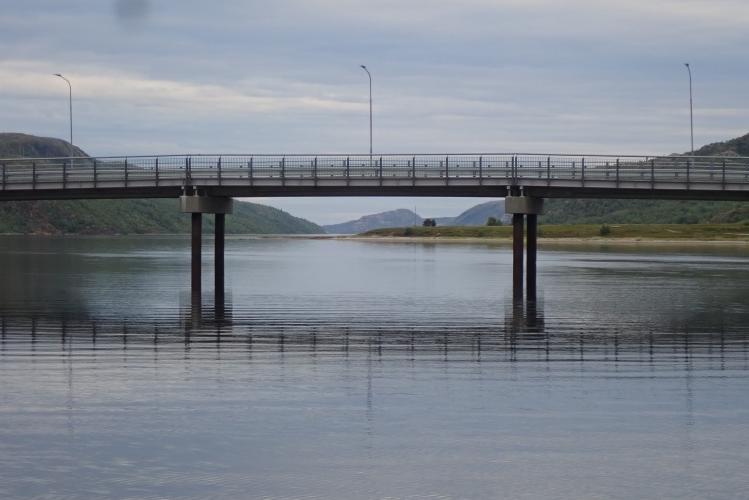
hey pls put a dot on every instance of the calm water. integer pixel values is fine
(347, 370)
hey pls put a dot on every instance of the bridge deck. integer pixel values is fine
(678, 177)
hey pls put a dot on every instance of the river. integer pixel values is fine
(348, 369)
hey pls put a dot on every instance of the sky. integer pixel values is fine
(284, 76)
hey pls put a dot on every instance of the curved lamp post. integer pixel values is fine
(691, 120)
(370, 111)
(70, 108)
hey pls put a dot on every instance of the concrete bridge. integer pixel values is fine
(207, 183)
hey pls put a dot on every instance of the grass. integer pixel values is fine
(697, 232)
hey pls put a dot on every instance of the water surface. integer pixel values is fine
(346, 369)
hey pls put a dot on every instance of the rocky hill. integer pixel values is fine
(478, 215)
(474, 216)
(14, 145)
(393, 218)
(143, 216)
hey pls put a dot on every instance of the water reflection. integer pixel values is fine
(524, 336)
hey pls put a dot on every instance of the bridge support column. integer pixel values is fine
(219, 226)
(197, 206)
(530, 248)
(521, 208)
(517, 257)
(197, 253)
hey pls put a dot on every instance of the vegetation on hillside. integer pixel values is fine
(14, 145)
(580, 211)
(152, 216)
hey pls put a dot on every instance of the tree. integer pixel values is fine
(493, 221)
(429, 223)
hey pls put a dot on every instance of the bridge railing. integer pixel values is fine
(44, 173)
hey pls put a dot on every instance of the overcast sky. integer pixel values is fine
(187, 76)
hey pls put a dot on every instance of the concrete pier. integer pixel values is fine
(530, 248)
(219, 253)
(197, 206)
(524, 209)
(197, 253)
(517, 257)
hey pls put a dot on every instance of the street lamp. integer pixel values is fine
(70, 108)
(691, 120)
(370, 111)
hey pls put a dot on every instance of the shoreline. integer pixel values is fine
(561, 241)
(489, 240)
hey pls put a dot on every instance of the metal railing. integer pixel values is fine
(422, 169)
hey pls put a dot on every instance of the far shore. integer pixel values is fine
(571, 234)
(542, 241)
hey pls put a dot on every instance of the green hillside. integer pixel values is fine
(578, 211)
(146, 216)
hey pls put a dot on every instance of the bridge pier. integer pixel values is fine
(524, 210)
(517, 257)
(197, 206)
(218, 252)
(197, 253)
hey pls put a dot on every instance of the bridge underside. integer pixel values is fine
(491, 191)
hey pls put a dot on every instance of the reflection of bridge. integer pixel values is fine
(517, 339)
(206, 184)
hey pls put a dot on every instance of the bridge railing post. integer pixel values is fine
(652, 173)
(413, 171)
(723, 176)
(156, 170)
(380, 170)
(33, 175)
(688, 162)
(95, 174)
(283, 171)
(126, 171)
(4, 175)
(218, 167)
(481, 170)
(250, 173)
(548, 170)
(582, 172)
(447, 171)
(64, 173)
(617, 173)
(314, 171)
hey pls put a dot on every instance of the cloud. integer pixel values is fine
(535, 75)
(26, 79)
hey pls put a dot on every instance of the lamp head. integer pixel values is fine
(58, 74)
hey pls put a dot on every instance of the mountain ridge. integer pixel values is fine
(391, 218)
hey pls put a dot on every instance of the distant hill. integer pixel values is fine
(393, 218)
(734, 147)
(143, 216)
(581, 211)
(14, 145)
(474, 216)
(477, 215)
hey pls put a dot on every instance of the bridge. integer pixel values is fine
(207, 183)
